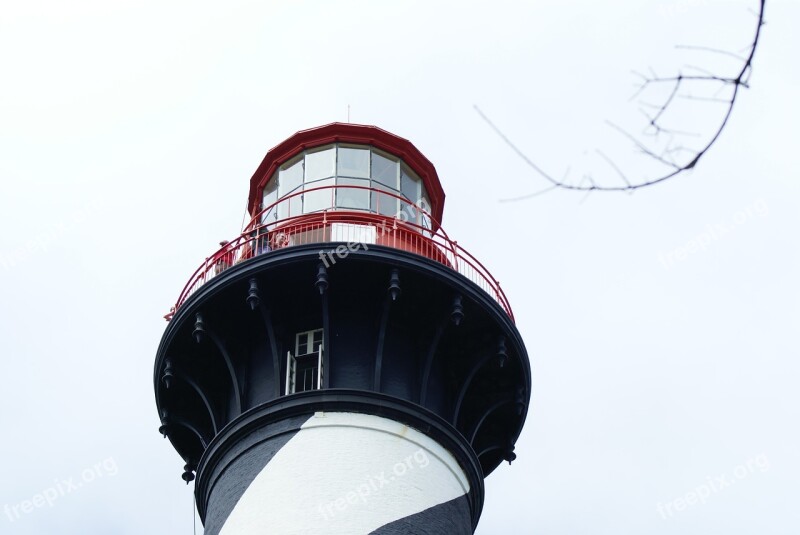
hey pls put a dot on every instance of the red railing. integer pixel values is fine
(409, 229)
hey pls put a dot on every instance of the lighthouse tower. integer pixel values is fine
(342, 367)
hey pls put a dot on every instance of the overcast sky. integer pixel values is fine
(665, 374)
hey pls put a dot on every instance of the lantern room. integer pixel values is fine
(346, 168)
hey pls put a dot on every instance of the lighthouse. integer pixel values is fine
(343, 366)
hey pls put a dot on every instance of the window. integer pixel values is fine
(304, 368)
(426, 218)
(409, 188)
(290, 177)
(353, 162)
(290, 207)
(308, 342)
(345, 165)
(270, 196)
(320, 164)
(352, 197)
(384, 170)
(385, 178)
(314, 201)
(382, 203)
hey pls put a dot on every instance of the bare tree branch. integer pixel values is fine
(677, 159)
(709, 49)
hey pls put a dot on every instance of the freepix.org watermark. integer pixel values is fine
(373, 484)
(711, 486)
(60, 488)
(41, 242)
(408, 213)
(712, 234)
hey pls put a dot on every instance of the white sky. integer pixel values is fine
(128, 134)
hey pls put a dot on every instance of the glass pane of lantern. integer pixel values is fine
(355, 198)
(353, 162)
(290, 177)
(381, 202)
(314, 201)
(409, 186)
(270, 196)
(320, 164)
(384, 170)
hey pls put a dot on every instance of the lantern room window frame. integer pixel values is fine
(326, 165)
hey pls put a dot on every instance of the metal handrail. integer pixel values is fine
(316, 227)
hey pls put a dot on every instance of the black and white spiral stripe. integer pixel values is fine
(339, 474)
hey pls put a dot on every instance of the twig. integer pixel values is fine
(654, 122)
